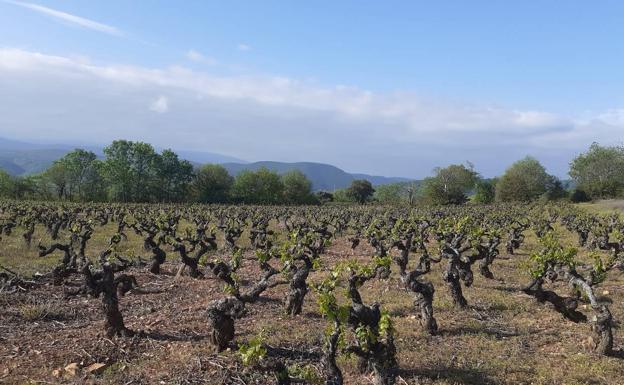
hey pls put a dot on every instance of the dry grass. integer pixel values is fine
(604, 206)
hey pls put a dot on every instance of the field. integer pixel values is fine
(54, 332)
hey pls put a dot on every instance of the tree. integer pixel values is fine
(397, 193)
(76, 176)
(579, 196)
(450, 185)
(16, 187)
(6, 184)
(174, 177)
(485, 191)
(297, 188)
(391, 194)
(554, 189)
(58, 176)
(525, 180)
(324, 197)
(144, 165)
(117, 170)
(131, 170)
(262, 186)
(360, 190)
(212, 184)
(341, 196)
(600, 171)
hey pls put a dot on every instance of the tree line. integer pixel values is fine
(136, 172)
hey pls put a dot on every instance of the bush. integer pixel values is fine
(579, 196)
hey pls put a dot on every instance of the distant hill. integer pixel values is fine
(323, 176)
(21, 158)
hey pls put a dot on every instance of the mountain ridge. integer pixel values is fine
(22, 158)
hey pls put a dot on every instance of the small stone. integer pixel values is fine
(56, 373)
(605, 292)
(72, 369)
(96, 368)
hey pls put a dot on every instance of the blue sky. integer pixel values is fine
(392, 87)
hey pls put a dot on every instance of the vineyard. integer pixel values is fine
(216, 294)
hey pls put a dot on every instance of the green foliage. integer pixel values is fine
(323, 197)
(253, 351)
(360, 190)
(328, 304)
(551, 253)
(297, 188)
(341, 196)
(76, 176)
(485, 191)
(579, 196)
(237, 258)
(386, 326)
(134, 172)
(306, 373)
(450, 185)
(262, 187)
(554, 189)
(174, 177)
(212, 184)
(599, 172)
(599, 272)
(525, 180)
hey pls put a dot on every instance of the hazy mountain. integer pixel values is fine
(323, 176)
(21, 158)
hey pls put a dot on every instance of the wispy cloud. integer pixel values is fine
(243, 47)
(200, 58)
(68, 18)
(160, 105)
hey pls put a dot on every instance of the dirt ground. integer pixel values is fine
(504, 337)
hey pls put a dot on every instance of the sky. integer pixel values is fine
(393, 88)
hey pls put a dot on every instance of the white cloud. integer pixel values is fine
(68, 18)
(243, 47)
(160, 105)
(196, 56)
(272, 117)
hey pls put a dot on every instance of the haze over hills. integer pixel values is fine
(22, 158)
(323, 176)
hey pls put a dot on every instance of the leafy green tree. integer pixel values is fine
(85, 177)
(391, 194)
(341, 196)
(131, 171)
(397, 193)
(525, 180)
(554, 189)
(57, 175)
(174, 177)
(6, 184)
(212, 184)
(144, 166)
(118, 171)
(324, 197)
(262, 186)
(297, 188)
(599, 172)
(360, 190)
(579, 196)
(76, 176)
(450, 185)
(485, 191)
